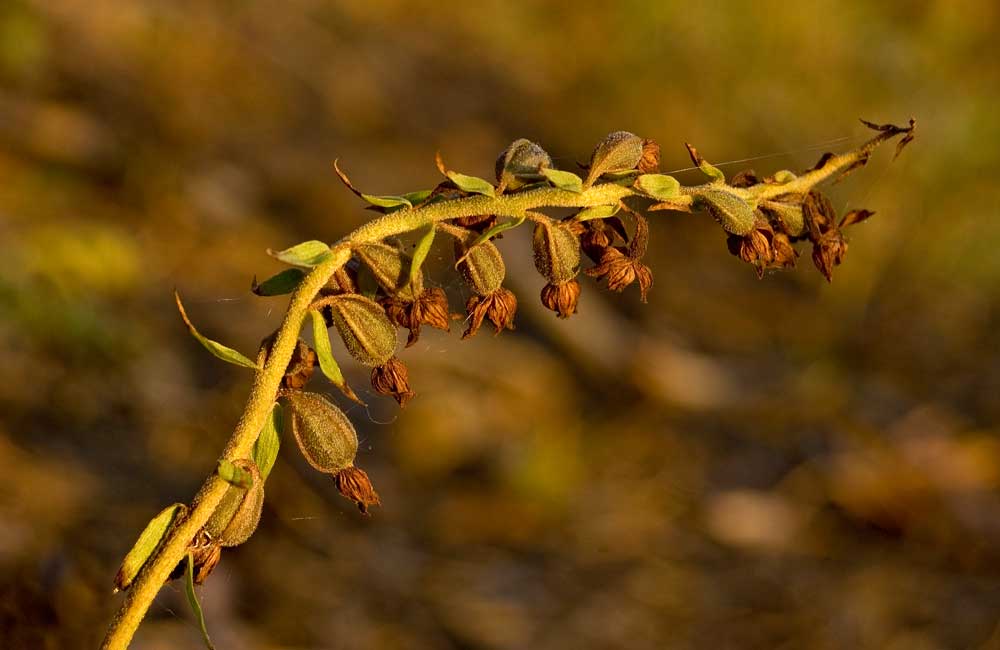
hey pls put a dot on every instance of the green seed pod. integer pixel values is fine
(366, 330)
(521, 162)
(789, 214)
(736, 215)
(391, 268)
(483, 268)
(325, 435)
(619, 151)
(238, 514)
(557, 252)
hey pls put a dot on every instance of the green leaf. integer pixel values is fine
(418, 197)
(488, 234)
(265, 449)
(420, 252)
(564, 180)
(712, 171)
(321, 341)
(279, 284)
(658, 186)
(193, 601)
(216, 348)
(472, 184)
(234, 475)
(308, 254)
(144, 547)
(388, 201)
(597, 212)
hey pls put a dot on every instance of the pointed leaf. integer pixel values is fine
(147, 544)
(308, 254)
(387, 201)
(420, 253)
(706, 167)
(218, 349)
(659, 186)
(418, 197)
(193, 601)
(472, 184)
(564, 180)
(279, 284)
(265, 449)
(489, 234)
(321, 341)
(597, 212)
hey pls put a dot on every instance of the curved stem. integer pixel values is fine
(267, 380)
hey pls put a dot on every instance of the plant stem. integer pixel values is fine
(267, 380)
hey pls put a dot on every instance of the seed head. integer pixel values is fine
(500, 306)
(354, 484)
(561, 297)
(393, 379)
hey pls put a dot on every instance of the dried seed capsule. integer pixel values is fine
(734, 214)
(619, 151)
(353, 483)
(325, 435)
(561, 297)
(557, 252)
(238, 514)
(364, 327)
(482, 267)
(391, 268)
(520, 162)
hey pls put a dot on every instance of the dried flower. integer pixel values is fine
(598, 234)
(829, 246)
(430, 308)
(393, 379)
(622, 270)
(353, 483)
(499, 306)
(479, 223)
(300, 368)
(561, 297)
(650, 161)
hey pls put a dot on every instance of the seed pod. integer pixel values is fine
(557, 252)
(482, 267)
(391, 268)
(619, 151)
(325, 435)
(735, 214)
(521, 161)
(238, 514)
(365, 329)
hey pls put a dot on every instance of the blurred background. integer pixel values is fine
(738, 464)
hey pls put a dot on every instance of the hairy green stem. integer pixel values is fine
(267, 380)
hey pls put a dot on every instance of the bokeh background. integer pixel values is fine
(738, 464)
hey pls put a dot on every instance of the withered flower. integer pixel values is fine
(829, 246)
(354, 484)
(763, 247)
(561, 297)
(598, 234)
(205, 552)
(650, 161)
(622, 270)
(393, 379)
(300, 367)
(499, 307)
(430, 308)
(479, 223)
(622, 265)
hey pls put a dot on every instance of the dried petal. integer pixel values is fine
(354, 484)
(650, 161)
(300, 367)
(561, 297)
(499, 307)
(393, 379)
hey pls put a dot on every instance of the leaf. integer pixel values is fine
(472, 184)
(387, 201)
(321, 341)
(218, 349)
(420, 253)
(147, 544)
(706, 167)
(193, 601)
(597, 212)
(308, 254)
(265, 449)
(489, 234)
(276, 285)
(418, 197)
(234, 475)
(564, 180)
(659, 186)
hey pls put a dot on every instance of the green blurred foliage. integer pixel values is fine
(740, 463)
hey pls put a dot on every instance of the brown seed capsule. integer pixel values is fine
(364, 327)
(430, 308)
(562, 297)
(482, 267)
(393, 379)
(619, 151)
(650, 161)
(354, 484)
(391, 268)
(557, 252)
(325, 435)
(237, 516)
(621, 270)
